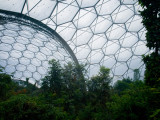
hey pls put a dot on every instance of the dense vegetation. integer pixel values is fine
(151, 21)
(65, 94)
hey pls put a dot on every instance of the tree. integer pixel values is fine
(99, 85)
(74, 74)
(5, 84)
(151, 21)
(122, 85)
(53, 81)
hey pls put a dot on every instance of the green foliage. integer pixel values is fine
(6, 85)
(122, 85)
(132, 103)
(155, 115)
(99, 85)
(53, 82)
(22, 107)
(67, 95)
(152, 73)
(151, 21)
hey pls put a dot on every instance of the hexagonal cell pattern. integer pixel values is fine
(99, 32)
(23, 55)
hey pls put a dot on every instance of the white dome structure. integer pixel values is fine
(97, 32)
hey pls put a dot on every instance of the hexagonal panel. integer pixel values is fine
(100, 32)
(64, 13)
(97, 41)
(107, 6)
(86, 3)
(84, 17)
(101, 24)
(82, 36)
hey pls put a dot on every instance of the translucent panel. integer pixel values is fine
(116, 31)
(122, 14)
(27, 28)
(10, 33)
(46, 51)
(12, 26)
(87, 3)
(27, 74)
(134, 24)
(13, 61)
(135, 62)
(94, 69)
(5, 47)
(18, 74)
(107, 6)
(51, 46)
(19, 46)
(44, 5)
(58, 56)
(129, 73)
(84, 18)
(31, 67)
(41, 36)
(64, 13)
(142, 34)
(25, 34)
(128, 1)
(36, 75)
(128, 40)
(1, 34)
(137, 8)
(82, 52)
(28, 54)
(120, 68)
(15, 54)
(96, 56)
(50, 23)
(25, 49)
(32, 48)
(97, 41)
(101, 24)
(111, 47)
(100, 32)
(7, 39)
(123, 54)
(22, 40)
(21, 67)
(66, 31)
(45, 64)
(82, 36)
(24, 61)
(36, 62)
(3, 63)
(2, 27)
(140, 48)
(108, 61)
(9, 69)
(37, 42)
(32, 80)
(62, 51)
(30, 5)
(40, 56)
(42, 70)
(12, 5)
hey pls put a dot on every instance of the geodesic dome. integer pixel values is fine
(99, 32)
